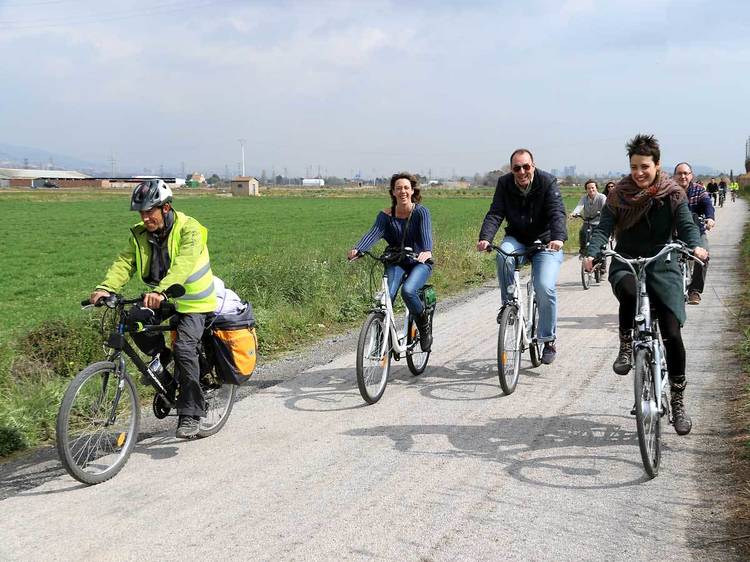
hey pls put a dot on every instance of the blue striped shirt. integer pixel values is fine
(418, 235)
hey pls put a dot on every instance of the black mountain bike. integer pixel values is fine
(99, 417)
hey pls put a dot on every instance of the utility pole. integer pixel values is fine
(113, 162)
(242, 148)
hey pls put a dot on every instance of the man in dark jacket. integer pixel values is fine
(530, 203)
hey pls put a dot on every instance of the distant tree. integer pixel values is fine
(280, 180)
(214, 179)
(334, 180)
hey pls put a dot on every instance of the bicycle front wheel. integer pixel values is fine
(416, 359)
(509, 349)
(97, 424)
(585, 277)
(535, 347)
(648, 417)
(373, 358)
(219, 399)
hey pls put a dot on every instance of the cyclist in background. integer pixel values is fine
(699, 203)
(713, 189)
(530, 202)
(643, 210)
(405, 224)
(168, 247)
(722, 190)
(733, 189)
(589, 208)
(607, 188)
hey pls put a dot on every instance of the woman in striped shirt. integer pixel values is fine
(406, 224)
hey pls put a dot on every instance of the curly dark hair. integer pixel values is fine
(644, 145)
(416, 196)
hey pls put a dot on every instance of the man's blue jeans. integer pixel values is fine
(417, 276)
(546, 268)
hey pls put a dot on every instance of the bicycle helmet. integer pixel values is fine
(150, 194)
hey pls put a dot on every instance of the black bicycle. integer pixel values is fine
(600, 265)
(99, 417)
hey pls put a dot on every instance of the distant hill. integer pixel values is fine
(12, 156)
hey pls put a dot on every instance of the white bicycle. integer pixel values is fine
(380, 339)
(649, 358)
(519, 321)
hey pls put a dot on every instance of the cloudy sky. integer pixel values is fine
(375, 86)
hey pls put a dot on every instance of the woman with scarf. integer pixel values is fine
(644, 210)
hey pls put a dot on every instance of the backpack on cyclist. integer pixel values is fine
(234, 343)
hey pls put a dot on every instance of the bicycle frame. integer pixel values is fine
(399, 339)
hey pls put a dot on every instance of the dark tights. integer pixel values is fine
(625, 291)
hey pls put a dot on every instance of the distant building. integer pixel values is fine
(196, 179)
(313, 182)
(244, 186)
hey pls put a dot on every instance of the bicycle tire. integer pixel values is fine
(535, 347)
(219, 398)
(509, 349)
(648, 419)
(373, 358)
(94, 449)
(416, 359)
(585, 277)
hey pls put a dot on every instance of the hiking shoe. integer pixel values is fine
(549, 352)
(624, 360)
(694, 297)
(682, 422)
(187, 427)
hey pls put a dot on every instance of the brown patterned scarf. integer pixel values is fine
(629, 203)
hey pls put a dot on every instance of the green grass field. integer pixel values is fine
(285, 254)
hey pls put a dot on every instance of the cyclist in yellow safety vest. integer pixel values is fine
(733, 189)
(166, 248)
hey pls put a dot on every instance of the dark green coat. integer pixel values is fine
(646, 238)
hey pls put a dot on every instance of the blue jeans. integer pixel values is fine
(416, 276)
(545, 267)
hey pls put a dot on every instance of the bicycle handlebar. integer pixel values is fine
(527, 251)
(114, 300)
(642, 262)
(393, 256)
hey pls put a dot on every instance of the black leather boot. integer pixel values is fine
(425, 331)
(682, 422)
(624, 360)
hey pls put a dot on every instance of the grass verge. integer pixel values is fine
(740, 408)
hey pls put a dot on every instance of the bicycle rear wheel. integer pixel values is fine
(373, 358)
(648, 418)
(416, 359)
(509, 349)
(97, 424)
(219, 399)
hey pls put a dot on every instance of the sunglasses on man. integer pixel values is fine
(518, 167)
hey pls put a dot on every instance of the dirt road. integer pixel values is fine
(444, 467)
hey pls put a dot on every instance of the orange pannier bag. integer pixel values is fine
(235, 343)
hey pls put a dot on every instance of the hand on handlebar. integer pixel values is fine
(352, 254)
(483, 246)
(555, 245)
(97, 295)
(710, 224)
(588, 264)
(424, 256)
(700, 253)
(153, 300)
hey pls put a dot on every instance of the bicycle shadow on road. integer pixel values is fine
(333, 390)
(551, 451)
